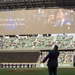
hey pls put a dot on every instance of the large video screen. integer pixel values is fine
(39, 21)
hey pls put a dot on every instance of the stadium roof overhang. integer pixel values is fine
(33, 4)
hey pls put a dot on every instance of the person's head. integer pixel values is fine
(55, 47)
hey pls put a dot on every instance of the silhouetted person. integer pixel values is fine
(52, 60)
(74, 60)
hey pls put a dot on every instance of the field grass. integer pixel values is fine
(38, 71)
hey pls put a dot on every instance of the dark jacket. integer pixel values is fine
(52, 58)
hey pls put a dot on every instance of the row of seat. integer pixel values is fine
(25, 42)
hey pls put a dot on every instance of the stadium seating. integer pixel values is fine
(37, 43)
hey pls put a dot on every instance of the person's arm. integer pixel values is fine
(44, 60)
(58, 54)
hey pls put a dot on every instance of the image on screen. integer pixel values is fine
(39, 21)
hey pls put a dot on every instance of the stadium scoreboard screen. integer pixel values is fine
(40, 21)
